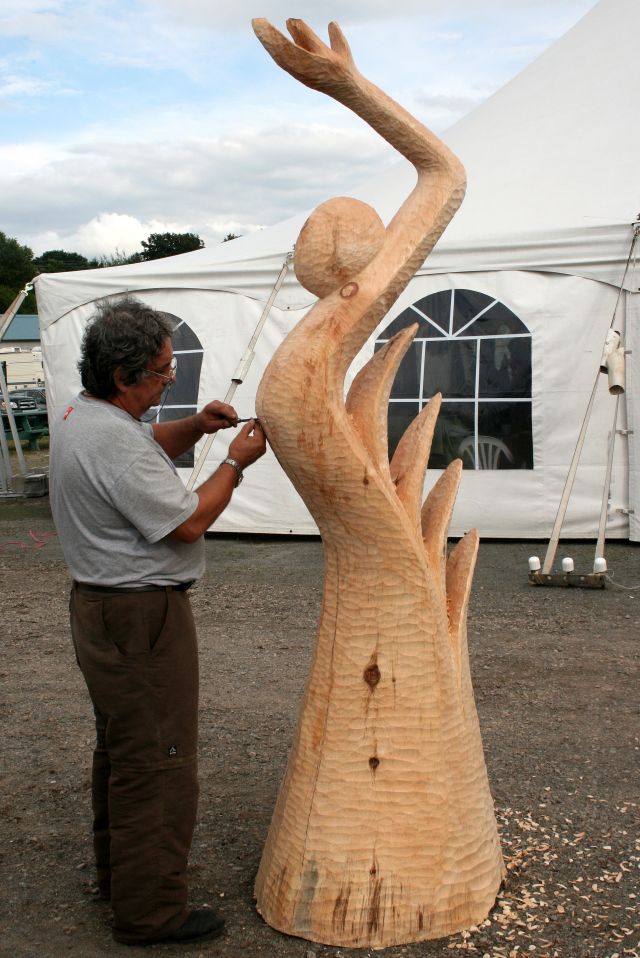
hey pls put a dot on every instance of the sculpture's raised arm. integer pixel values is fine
(441, 179)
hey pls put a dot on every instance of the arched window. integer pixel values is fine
(477, 353)
(182, 398)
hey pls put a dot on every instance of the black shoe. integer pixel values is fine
(202, 924)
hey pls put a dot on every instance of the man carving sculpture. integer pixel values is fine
(132, 536)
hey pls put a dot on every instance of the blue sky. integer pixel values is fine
(118, 119)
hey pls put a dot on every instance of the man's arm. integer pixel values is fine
(215, 493)
(181, 434)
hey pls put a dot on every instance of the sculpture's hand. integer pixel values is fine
(308, 59)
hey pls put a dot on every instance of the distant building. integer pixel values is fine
(20, 352)
(23, 330)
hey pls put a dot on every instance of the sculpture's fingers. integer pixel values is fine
(409, 463)
(436, 516)
(368, 399)
(266, 32)
(304, 37)
(307, 59)
(339, 43)
(460, 568)
(296, 57)
(274, 42)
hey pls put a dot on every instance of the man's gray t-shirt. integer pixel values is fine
(115, 497)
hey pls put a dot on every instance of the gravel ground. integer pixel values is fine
(557, 694)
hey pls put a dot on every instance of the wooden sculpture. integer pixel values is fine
(384, 830)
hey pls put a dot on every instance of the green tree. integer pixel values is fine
(158, 245)
(59, 261)
(231, 236)
(16, 270)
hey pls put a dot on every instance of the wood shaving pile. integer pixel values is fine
(600, 898)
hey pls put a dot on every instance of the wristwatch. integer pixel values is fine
(237, 467)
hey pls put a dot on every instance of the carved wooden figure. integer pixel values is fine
(384, 830)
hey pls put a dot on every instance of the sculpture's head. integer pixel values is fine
(338, 240)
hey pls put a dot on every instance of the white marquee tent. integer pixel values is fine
(514, 303)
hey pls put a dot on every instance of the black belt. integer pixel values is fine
(113, 589)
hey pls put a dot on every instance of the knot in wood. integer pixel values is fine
(372, 676)
(374, 761)
(349, 290)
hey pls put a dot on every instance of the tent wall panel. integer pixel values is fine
(567, 317)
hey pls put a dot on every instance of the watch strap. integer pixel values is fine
(238, 468)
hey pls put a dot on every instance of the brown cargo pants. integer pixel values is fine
(138, 654)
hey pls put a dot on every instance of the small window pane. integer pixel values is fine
(185, 389)
(468, 303)
(399, 323)
(450, 368)
(184, 337)
(455, 423)
(438, 308)
(499, 319)
(169, 414)
(510, 423)
(406, 385)
(408, 317)
(505, 367)
(401, 414)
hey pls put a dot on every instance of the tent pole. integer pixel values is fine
(607, 486)
(4, 482)
(243, 366)
(6, 474)
(12, 425)
(568, 486)
(6, 318)
(566, 492)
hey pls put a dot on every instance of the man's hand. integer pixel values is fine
(216, 415)
(177, 435)
(214, 494)
(249, 444)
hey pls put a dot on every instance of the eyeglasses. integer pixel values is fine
(171, 377)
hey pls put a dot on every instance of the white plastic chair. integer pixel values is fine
(489, 451)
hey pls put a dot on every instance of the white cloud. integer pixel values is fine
(208, 186)
(111, 233)
(36, 18)
(19, 161)
(102, 235)
(14, 86)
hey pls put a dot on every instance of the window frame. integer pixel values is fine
(441, 335)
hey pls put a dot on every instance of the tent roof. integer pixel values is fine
(566, 125)
(551, 160)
